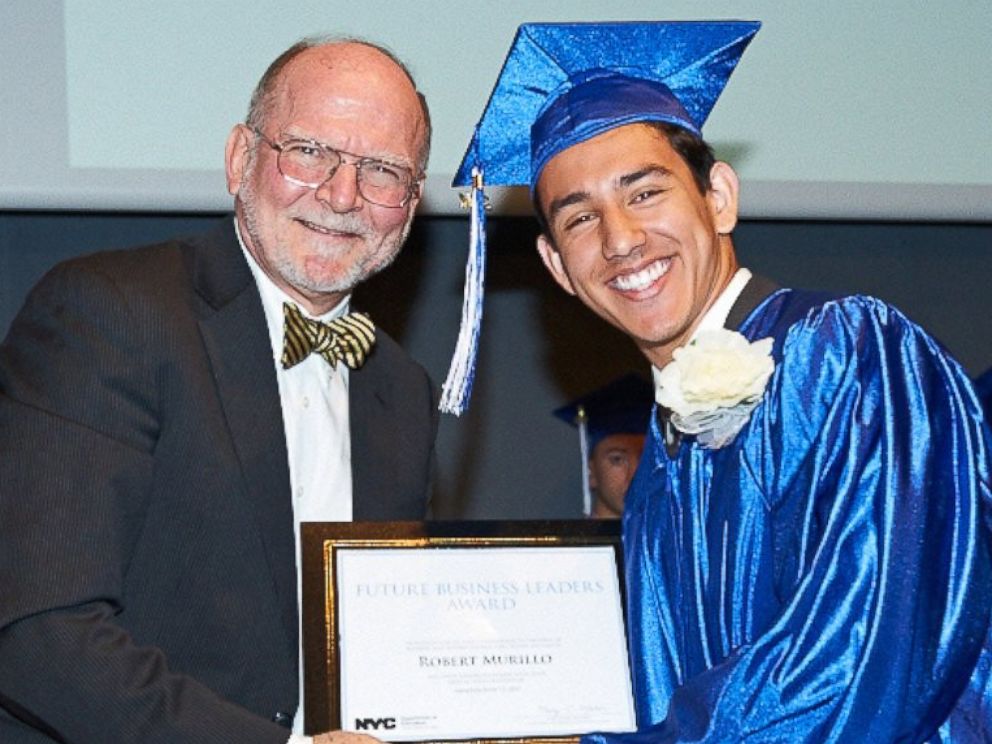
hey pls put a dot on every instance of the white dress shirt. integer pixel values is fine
(314, 401)
(716, 316)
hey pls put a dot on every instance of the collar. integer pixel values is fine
(273, 298)
(716, 316)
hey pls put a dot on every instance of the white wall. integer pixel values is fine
(842, 110)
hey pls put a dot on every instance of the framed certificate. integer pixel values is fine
(459, 631)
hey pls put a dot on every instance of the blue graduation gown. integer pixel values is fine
(826, 576)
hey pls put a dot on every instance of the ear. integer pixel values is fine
(593, 480)
(236, 155)
(552, 262)
(723, 193)
(416, 196)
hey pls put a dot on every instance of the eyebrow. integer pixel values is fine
(648, 170)
(624, 181)
(566, 201)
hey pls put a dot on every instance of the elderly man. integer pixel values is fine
(164, 426)
(806, 548)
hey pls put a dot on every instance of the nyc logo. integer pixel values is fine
(364, 724)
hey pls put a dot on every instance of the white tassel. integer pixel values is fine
(457, 388)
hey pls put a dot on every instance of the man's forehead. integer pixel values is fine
(348, 86)
(354, 69)
(639, 142)
(309, 71)
(649, 155)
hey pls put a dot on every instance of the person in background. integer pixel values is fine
(170, 414)
(612, 421)
(806, 539)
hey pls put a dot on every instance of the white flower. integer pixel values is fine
(712, 384)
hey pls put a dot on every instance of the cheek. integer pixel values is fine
(274, 193)
(617, 473)
(616, 483)
(581, 263)
(389, 222)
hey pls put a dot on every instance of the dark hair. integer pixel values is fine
(694, 151)
(265, 90)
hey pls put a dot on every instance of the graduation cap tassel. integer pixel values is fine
(583, 423)
(457, 388)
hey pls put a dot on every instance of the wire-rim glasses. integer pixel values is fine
(308, 163)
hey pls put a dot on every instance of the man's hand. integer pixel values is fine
(344, 737)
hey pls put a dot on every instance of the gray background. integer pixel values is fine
(508, 457)
(839, 110)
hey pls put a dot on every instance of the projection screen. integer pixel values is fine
(841, 110)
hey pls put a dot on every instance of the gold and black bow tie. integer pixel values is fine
(346, 339)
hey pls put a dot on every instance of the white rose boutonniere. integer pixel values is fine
(713, 383)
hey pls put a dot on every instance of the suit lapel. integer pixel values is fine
(373, 441)
(237, 342)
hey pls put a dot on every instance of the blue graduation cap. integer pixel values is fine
(564, 83)
(622, 406)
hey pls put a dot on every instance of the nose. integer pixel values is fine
(340, 191)
(622, 233)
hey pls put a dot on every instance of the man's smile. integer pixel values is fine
(642, 279)
(318, 228)
(331, 231)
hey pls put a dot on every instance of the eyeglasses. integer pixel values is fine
(310, 163)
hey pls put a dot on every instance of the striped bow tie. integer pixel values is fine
(346, 339)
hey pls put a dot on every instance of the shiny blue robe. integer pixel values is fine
(826, 576)
(983, 386)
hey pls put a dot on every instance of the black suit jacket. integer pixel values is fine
(147, 568)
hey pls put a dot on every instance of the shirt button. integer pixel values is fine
(299, 492)
(306, 402)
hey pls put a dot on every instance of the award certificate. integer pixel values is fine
(456, 641)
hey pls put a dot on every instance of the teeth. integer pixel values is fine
(643, 278)
(342, 228)
(318, 228)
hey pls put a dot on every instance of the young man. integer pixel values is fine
(164, 426)
(806, 548)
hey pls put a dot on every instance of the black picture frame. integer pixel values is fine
(321, 543)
